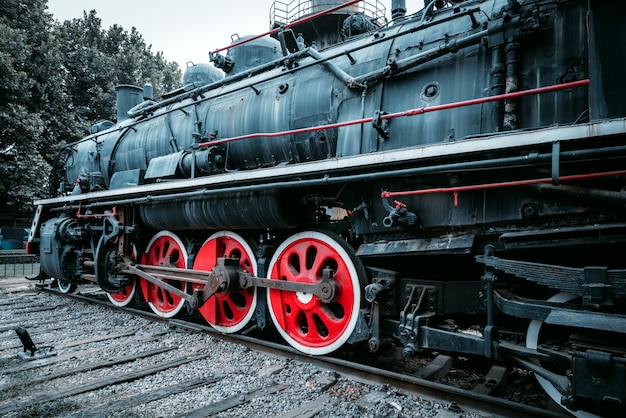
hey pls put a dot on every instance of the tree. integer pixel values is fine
(96, 60)
(56, 80)
(27, 71)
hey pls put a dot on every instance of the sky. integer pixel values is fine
(184, 30)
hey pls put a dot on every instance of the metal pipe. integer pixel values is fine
(442, 168)
(424, 57)
(510, 121)
(497, 86)
(411, 112)
(347, 79)
(583, 193)
(513, 95)
(398, 10)
(387, 194)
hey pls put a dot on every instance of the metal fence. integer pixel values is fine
(16, 264)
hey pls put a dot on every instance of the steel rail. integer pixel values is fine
(471, 401)
(375, 375)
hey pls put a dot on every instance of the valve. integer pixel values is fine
(398, 215)
(82, 184)
(225, 63)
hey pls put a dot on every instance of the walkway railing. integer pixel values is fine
(284, 12)
(290, 24)
(16, 264)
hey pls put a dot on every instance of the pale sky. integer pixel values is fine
(184, 30)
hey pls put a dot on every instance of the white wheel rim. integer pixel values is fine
(126, 301)
(179, 306)
(64, 286)
(304, 298)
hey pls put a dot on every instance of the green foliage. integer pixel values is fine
(24, 95)
(56, 80)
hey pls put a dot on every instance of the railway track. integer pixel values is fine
(100, 360)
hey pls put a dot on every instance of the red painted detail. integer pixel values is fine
(94, 215)
(164, 251)
(284, 133)
(481, 100)
(289, 25)
(411, 112)
(305, 318)
(32, 247)
(123, 295)
(226, 309)
(387, 194)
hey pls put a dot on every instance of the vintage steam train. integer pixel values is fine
(354, 180)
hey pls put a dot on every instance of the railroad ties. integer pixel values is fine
(491, 383)
(107, 350)
(103, 361)
(82, 344)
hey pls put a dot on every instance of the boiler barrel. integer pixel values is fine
(267, 209)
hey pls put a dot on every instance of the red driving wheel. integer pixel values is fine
(303, 320)
(228, 312)
(164, 249)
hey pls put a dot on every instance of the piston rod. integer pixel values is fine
(191, 299)
(228, 276)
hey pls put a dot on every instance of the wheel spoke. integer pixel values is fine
(165, 249)
(319, 258)
(302, 319)
(327, 315)
(290, 265)
(125, 296)
(228, 312)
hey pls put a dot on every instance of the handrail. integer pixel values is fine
(410, 112)
(456, 189)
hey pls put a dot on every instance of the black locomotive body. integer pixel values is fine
(407, 180)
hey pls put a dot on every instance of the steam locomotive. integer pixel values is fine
(351, 180)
